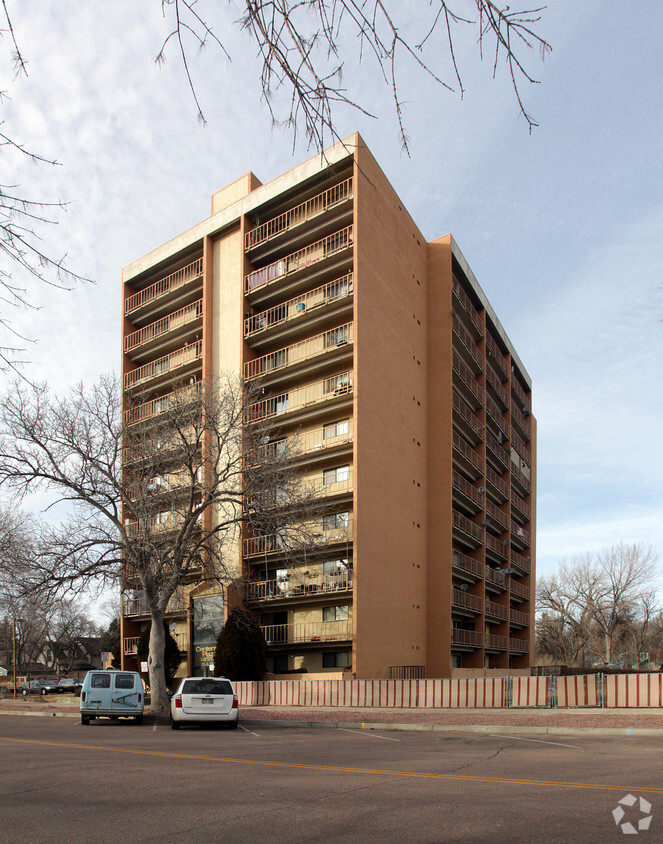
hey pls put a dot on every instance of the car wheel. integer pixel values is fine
(24, 692)
(44, 692)
(174, 725)
(139, 720)
(232, 725)
(85, 720)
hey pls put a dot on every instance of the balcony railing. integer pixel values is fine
(520, 562)
(466, 638)
(470, 419)
(495, 481)
(520, 477)
(497, 356)
(466, 564)
(298, 307)
(282, 543)
(467, 452)
(496, 515)
(496, 448)
(523, 423)
(520, 394)
(468, 528)
(171, 322)
(164, 365)
(495, 643)
(498, 418)
(311, 631)
(494, 382)
(468, 341)
(520, 445)
(496, 577)
(494, 610)
(299, 214)
(467, 379)
(161, 523)
(519, 646)
(519, 618)
(301, 397)
(517, 503)
(520, 533)
(138, 605)
(308, 349)
(312, 254)
(466, 489)
(497, 546)
(519, 590)
(154, 407)
(299, 586)
(466, 304)
(164, 286)
(130, 645)
(461, 600)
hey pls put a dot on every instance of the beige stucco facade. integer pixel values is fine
(380, 356)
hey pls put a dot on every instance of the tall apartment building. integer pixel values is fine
(380, 353)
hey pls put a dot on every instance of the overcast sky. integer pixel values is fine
(563, 228)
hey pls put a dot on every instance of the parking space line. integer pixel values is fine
(539, 741)
(246, 730)
(368, 735)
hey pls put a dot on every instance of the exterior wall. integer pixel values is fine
(390, 421)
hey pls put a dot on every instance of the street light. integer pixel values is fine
(15, 621)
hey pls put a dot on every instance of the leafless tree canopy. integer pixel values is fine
(599, 607)
(156, 491)
(306, 46)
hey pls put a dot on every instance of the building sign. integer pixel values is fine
(208, 617)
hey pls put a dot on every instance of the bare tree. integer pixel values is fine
(306, 46)
(157, 490)
(604, 604)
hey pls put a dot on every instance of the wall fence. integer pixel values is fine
(591, 690)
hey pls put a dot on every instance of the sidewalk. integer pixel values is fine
(541, 721)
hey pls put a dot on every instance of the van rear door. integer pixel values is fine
(127, 693)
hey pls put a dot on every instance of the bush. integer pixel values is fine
(241, 651)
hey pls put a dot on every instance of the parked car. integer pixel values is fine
(42, 686)
(112, 694)
(204, 700)
(69, 685)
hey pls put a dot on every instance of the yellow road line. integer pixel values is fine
(345, 769)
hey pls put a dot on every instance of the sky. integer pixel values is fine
(563, 226)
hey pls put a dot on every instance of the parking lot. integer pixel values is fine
(111, 780)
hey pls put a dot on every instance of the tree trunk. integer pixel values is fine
(155, 664)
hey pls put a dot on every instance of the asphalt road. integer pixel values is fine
(111, 781)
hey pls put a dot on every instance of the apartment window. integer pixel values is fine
(276, 359)
(336, 288)
(336, 429)
(336, 521)
(340, 613)
(338, 384)
(334, 566)
(336, 337)
(336, 659)
(282, 404)
(336, 475)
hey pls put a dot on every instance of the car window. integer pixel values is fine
(100, 681)
(207, 686)
(124, 681)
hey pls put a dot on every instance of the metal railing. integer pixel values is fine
(467, 451)
(164, 365)
(467, 340)
(299, 586)
(312, 254)
(300, 397)
(494, 610)
(467, 378)
(299, 306)
(312, 347)
(464, 563)
(464, 601)
(467, 638)
(310, 536)
(498, 356)
(461, 485)
(495, 383)
(299, 214)
(165, 285)
(470, 419)
(466, 304)
(311, 631)
(171, 322)
(154, 407)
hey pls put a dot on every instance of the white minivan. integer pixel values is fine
(112, 694)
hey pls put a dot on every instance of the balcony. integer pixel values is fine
(496, 580)
(523, 564)
(155, 407)
(520, 445)
(495, 515)
(496, 611)
(311, 632)
(470, 639)
(175, 365)
(521, 396)
(519, 536)
(156, 332)
(519, 592)
(496, 548)
(162, 523)
(495, 643)
(466, 567)
(466, 421)
(497, 418)
(520, 506)
(520, 479)
(467, 345)
(332, 344)
(497, 357)
(467, 310)
(164, 287)
(299, 586)
(496, 450)
(518, 646)
(313, 254)
(299, 214)
(519, 619)
(521, 422)
(130, 644)
(466, 383)
(464, 603)
(493, 381)
(469, 496)
(297, 308)
(304, 398)
(466, 531)
(466, 457)
(138, 605)
(498, 487)
(310, 536)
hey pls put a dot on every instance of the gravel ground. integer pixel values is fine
(521, 718)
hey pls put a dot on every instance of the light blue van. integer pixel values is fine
(112, 694)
